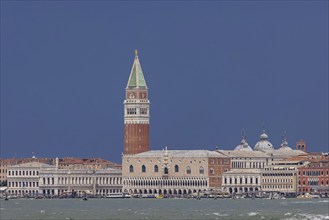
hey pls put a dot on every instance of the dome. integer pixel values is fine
(284, 145)
(263, 143)
(243, 146)
(263, 136)
(238, 147)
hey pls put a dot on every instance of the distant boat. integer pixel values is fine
(84, 196)
(117, 196)
(160, 196)
(308, 196)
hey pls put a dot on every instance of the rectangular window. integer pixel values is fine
(131, 111)
(143, 111)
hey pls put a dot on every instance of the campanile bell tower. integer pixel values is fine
(136, 112)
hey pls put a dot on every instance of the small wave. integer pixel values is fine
(253, 213)
(314, 216)
(288, 213)
(325, 201)
(42, 211)
(308, 217)
(303, 202)
(218, 214)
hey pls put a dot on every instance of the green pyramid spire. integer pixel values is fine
(136, 78)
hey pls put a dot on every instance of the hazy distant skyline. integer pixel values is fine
(212, 69)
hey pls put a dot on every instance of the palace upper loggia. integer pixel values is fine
(182, 172)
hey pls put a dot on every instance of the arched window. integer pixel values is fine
(165, 170)
(131, 169)
(156, 168)
(201, 170)
(143, 169)
(188, 170)
(176, 169)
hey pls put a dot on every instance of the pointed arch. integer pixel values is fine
(176, 168)
(188, 170)
(201, 170)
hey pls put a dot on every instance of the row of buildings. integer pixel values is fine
(241, 170)
(56, 177)
(174, 172)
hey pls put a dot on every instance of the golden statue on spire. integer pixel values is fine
(136, 52)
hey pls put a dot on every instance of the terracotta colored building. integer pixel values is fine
(85, 163)
(301, 145)
(216, 167)
(136, 112)
(314, 177)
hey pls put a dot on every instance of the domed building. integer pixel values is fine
(284, 145)
(263, 143)
(243, 146)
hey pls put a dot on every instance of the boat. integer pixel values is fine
(115, 196)
(127, 196)
(308, 196)
(84, 196)
(148, 196)
(160, 196)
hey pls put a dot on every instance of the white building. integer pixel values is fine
(241, 181)
(33, 178)
(23, 179)
(172, 172)
(56, 182)
(258, 170)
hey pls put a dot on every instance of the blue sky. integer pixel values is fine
(212, 68)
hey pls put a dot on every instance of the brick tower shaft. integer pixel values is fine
(136, 112)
